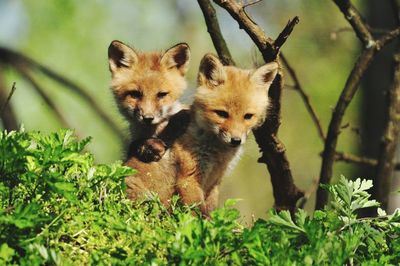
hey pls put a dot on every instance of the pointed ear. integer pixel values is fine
(211, 71)
(265, 74)
(177, 56)
(120, 56)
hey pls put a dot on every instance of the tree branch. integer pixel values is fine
(214, 30)
(12, 58)
(13, 88)
(356, 21)
(286, 194)
(282, 37)
(49, 102)
(390, 140)
(328, 155)
(258, 36)
(304, 96)
(7, 115)
(351, 158)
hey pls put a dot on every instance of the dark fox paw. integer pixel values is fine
(151, 150)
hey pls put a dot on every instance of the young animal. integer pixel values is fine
(228, 104)
(146, 86)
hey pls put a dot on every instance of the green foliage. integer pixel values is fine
(58, 208)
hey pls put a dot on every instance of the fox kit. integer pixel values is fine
(146, 86)
(228, 104)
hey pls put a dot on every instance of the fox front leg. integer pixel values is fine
(191, 193)
(188, 181)
(212, 199)
(147, 150)
(153, 149)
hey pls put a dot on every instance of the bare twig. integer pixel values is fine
(396, 10)
(307, 194)
(253, 30)
(13, 88)
(351, 158)
(390, 139)
(13, 58)
(286, 194)
(356, 21)
(336, 32)
(304, 96)
(7, 115)
(214, 30)
(281, 39)
(364, 60)
(251, 3)
(387, 38)
(49, 102)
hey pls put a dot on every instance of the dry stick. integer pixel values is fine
(328, 155)
(351, 158)
(304, 96)
(12, 58)
(13, 88)
(286, 194)
(253, 30)
(396, 9)
(251, 3)
(214, 30)
(7, 115)
(49, 102)
(282, 37)
(356, 21)
(390, 140)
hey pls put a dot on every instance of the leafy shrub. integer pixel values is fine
(58, 207)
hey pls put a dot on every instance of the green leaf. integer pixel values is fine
(284, 219)
(6, 253)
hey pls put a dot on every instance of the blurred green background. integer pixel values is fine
(71, 38)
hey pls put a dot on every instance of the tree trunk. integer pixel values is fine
(376, 84)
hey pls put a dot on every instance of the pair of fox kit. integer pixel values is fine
(185, 150)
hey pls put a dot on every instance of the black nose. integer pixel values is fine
(235, 141)
(148, 119)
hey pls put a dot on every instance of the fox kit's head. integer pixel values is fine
(146, 85)
(229, 101)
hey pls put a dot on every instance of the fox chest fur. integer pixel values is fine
(208, 159)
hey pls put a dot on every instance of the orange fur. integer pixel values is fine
(228, 104)
(147, 85)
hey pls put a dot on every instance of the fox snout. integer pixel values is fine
(234, 139)
(148, 117)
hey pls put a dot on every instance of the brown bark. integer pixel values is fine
(355, 19)
(366, 161)
(214, 30)
(389, 143)
(14, 59)
(304, 96)
(372, 47)
(286, 194)
(7, 115)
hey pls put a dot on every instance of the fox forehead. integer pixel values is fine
(148, 76)
(149, 61)
(237, 94)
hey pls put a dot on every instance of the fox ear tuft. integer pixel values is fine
(178, 56)
(211, 71)
(120, 55)
(265, 74)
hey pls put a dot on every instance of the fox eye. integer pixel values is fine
(222, 113)
(136, 94)
(248, 116)
(162, 94)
